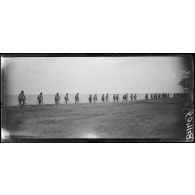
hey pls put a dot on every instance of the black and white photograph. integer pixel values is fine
(97, 98)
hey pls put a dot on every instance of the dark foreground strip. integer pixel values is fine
(90, 140)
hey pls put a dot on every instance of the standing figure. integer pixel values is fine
(66, 98)
(21, 99)
(95, 98)
(146, 96)
(57, 98)
(77, 98)
(90, 98)
(151, 96)
(135, 96)
(103, 98)
(117, 97)
(155, 96)
(164, 95)
(40, 98)
(114, 97)
(127, 95)
(107, 97)
(124, 97)
(131, 96)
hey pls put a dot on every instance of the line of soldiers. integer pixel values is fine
(92, 99)
(66, 98)
(22, 99)
(104, 97)
(154, 96)
(177, 94)
(132, 97)
(115, 97)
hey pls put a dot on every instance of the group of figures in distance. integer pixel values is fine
(104, 98)
(94, 98)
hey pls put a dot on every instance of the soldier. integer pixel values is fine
(146, 96)
(114, 97)
(103, 98)
(66, 98)
(107, 97)
(40, 98)
(155, 96)
(95, 98)
(124, 97)
(151, 96)
(127, 96)
(21, 99)
(77, 98)
(57, 98)
(163, 95)
(90, 98)
(135, 96)
(131, 97)
(117, 97)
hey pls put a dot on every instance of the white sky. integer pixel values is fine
(94, 74)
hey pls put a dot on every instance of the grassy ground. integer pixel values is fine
(159, 119)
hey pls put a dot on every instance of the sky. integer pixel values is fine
(93, 74)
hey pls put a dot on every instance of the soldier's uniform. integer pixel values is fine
(146, 96)
(66, 98)
(107, 97)
(90, 98)
(117, 97)
(95, 98)
(40, 98)
(57, 98)
(151, 96)
(135, 97)
(114, 97)
(103, 98)
(131, 96)
(21, 99)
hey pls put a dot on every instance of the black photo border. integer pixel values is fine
(97, 140)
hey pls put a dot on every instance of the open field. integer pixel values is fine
(153, 119)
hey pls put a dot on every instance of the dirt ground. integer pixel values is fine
(152, 119)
